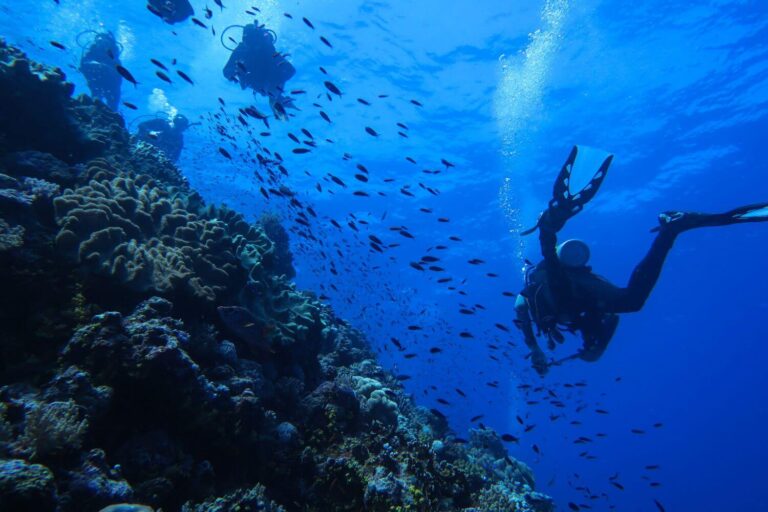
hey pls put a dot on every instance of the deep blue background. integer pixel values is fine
(678, 91)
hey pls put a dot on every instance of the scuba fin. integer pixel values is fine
(566, 203)
(683, 221)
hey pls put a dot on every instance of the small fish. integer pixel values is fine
(617, 485)
(287, 15)
(300, 151)
(331, 87)
(361, 177)
(308, 23)
(162, 76)
(446, 163)
(130, 105)
(435, 350)
(416, 103)
(225, 153)
(536, 449)
(476, 261)
(199, 23)
(185, 77)
(208, 13)
(502, 327)
(158, 64)
(659, 505)
(466, 335)
(476, 418)
(58, 45)
(325, 116)
(573, 506)
(370, 131)
(364, 102)
(326, 42)
(361, 193)
(126, 74)
(509, 438)
(218, 2)
(443, 401)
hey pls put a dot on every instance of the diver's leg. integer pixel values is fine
(644, 277)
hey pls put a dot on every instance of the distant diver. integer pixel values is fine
(563, 294)
(256, 64)
(171, 11)
(98, 64)
(166, 135)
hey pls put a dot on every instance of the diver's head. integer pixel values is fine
(180, 122)
(573, 253)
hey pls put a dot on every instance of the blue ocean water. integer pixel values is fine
(677, 91)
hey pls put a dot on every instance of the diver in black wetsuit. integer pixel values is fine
(255, 64)
(98, 65)
(171, 11)
(165, 135)
(562, 292)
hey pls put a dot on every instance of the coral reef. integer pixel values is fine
(156, 354)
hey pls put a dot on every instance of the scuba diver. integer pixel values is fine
(255, 64)
(171, 11)
(165, 135)
(563, 294)
(98, 64)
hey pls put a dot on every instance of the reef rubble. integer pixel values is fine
(154, 353)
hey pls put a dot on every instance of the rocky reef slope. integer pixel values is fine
(154, 351)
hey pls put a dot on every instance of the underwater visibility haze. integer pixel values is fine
(307, 255)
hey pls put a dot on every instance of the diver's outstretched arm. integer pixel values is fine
(524, 323)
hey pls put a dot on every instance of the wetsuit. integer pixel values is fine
(578, 300)
(255, 64)
(161, 134)
(172, 11)
(99, 67)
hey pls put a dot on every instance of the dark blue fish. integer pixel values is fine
(158, 64)
(331, 87)
(162, 76)
(185, 77)
(126, 74)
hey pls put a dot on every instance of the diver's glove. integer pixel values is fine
(539, 362)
